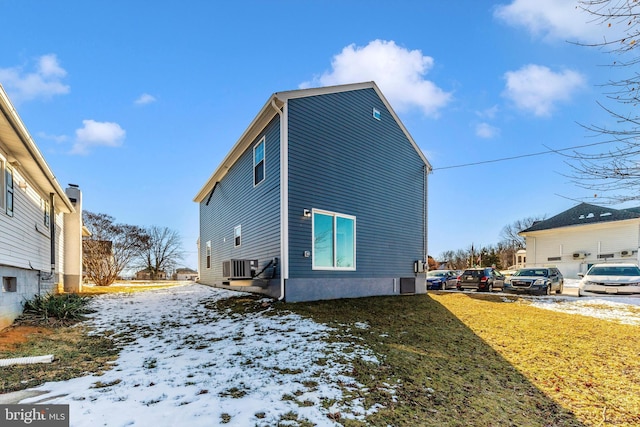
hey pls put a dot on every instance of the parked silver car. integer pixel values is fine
(538, 280)
(610, 279)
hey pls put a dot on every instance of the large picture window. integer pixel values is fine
(334, 241)
(258, 162)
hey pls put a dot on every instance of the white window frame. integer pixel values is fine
(46, 212)
(208, 255)
(335, 216)
(237, 236)
(8, 171)
(264, 161)
(2, 180)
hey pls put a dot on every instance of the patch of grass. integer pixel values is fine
(450, 359)
(76, 353)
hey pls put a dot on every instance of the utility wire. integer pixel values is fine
(522, 156)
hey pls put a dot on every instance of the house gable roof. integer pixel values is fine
(584, 213)
(22, 151)
(274, 106)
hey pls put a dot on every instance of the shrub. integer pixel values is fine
(59, 306)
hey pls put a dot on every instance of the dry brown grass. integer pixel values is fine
(475, 360)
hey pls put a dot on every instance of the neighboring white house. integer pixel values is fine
(582, 236)
(40, 223)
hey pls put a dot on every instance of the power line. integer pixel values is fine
(522, 156)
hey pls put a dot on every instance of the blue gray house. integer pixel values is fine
(324, 196)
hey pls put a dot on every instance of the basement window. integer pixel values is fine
(10, 284)
(554, 258)
(605, 256)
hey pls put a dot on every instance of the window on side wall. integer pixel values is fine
(209, 254)
(46, 212)
(334, 241)
(237, 236)
(2, 190)
(258, 162)
(8, 177)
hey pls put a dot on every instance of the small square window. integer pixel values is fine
(9, 284)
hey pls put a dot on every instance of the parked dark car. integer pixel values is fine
(442, 279)
(481, 279)
(538, 280)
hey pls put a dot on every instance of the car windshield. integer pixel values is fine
(630, 270)
(437, 273)
(474, 273)
(540, 272)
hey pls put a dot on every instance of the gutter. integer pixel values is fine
(284, 202)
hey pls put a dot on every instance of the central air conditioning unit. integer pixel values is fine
(579, 255)
(239, 268)
(628, 252)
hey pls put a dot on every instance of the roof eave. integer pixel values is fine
(26, 155)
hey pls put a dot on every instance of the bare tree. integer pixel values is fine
(509, 234)
(110, 249)
(162, 251)
(615, 173)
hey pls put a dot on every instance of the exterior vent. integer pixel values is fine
(628, 252)
(579, 255)
(239, 268)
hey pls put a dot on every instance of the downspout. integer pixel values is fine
(52, 224)
(426, 226)
(284, 203)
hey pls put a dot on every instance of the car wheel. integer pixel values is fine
(560, 288)
(548, 290)
(490, 289)
(443, 286)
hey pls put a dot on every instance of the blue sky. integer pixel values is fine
(138, 102)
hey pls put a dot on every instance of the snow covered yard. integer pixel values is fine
(624, 310)
(184, 361)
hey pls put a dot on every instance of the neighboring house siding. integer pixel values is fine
(236, 201)
(343, 160)
(25, 252)
(25, 241)
(594, 239)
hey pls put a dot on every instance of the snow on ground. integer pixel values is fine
(184, 362)
(620, 309)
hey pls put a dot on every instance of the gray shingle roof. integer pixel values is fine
(584, 213)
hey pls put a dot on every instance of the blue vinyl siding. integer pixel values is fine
(236, 201)
(343, 160)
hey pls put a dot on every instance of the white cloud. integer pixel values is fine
(486, 131)
(95, 134)
(537, 89)
(489, 113)
(44, 82)
(145, 98)
(553, 20)
(397, 71)
(56, 138)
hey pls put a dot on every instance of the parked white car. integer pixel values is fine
(610, 279)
